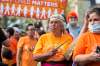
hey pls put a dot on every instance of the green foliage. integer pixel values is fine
(69, 5)
(13, 19)
(28, 21)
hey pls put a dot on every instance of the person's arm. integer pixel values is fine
(84, 29)
(6, 56)
(19, 51)
(10, 63)
(79, 55)
(85, 23)
(81, 58)
(19, 56)
(45, 56)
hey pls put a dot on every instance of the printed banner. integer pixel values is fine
(39, 9)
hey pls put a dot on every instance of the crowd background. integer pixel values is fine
(15, 27)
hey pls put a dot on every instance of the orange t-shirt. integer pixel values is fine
(48, 41)
(85, 45)
(13, 47)
(27, 44)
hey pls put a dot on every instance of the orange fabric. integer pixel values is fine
(27, 43)
(6, 61)
(85, 45)
(48, 41)
(71, 14)
(13, 47)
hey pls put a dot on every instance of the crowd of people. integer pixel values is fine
(60, 46)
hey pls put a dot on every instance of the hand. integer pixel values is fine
(45, 56)
(86, 17)
(52, 52)
(94, 56)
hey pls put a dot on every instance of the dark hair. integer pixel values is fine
(2, 36)
(95, 9)
(6, 53)
(28, 26)
(37, 24)
(10, 30)
(41, 32)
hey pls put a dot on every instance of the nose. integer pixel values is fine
(92, 22)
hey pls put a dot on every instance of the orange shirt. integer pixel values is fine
(27, 44)
(48, 41)
(85, 45)
(13, 47)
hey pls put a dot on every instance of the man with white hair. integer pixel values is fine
(51, 47)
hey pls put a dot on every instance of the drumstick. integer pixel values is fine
(60, 45)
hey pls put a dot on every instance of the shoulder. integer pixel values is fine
(86, 34)
(67, 35)
(23, 38)
(45, 35)
(6, 42)
(84, 37)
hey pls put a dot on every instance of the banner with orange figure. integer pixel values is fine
(39, 9)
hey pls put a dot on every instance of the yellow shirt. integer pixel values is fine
(48, 41)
